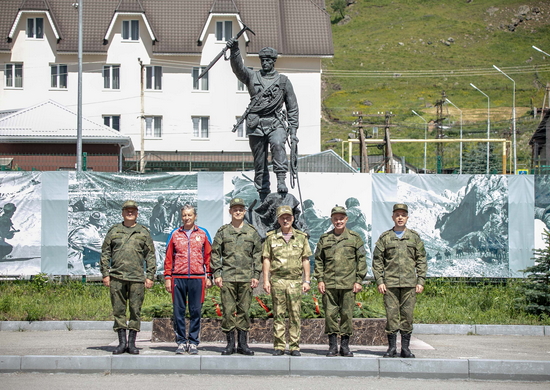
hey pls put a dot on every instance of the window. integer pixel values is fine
(112, 121)
(153, 126)
(59, 76)
(153, 77)
(200, 126)
(130, 30)
(202, 84)
(14, 75)
(35, 28)
(224, 30)
(111, 76)
(241, 132)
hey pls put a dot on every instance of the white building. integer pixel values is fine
(142, 58)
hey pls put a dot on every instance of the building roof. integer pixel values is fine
(50, 122)
(293, 27)
(326, 161)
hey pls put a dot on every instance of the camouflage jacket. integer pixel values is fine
(399, 262)
(286, 258)
(340, 261)
(123, 252)
(236, 255)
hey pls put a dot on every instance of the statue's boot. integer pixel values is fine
(281, 185)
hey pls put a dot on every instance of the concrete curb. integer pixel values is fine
(485, 330)
(46, 326)
(463, 369)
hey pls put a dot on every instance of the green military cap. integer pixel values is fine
(237, 202)
(282, 210)
(130, 204)
(400, 206)
(338, 210)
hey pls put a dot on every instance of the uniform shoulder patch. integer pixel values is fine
(271, 232)
(251, 226)
(414, 232)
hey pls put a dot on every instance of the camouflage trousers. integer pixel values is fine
(287, 297)
(338, 303)
(123, 293)
(399, 302)
(236, 297)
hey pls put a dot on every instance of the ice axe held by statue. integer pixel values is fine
(222, 53)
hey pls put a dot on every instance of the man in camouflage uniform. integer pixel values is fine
(236, 265)
(126, 247)
(340, 267)
(399, 266)
(286, 276)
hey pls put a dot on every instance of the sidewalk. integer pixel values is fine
(442, 352)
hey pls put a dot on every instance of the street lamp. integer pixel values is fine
(425, 136)
(513, 117)
(542, 51)
(488, 121)
(448, 101)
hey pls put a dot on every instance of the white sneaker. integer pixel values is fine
(193, 349)
(182, 348)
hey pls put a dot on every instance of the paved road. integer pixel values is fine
(230, 382)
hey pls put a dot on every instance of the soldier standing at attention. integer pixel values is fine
(399, 266)
(236, 265)
(286, 276)
(127, 246)
(340, 267)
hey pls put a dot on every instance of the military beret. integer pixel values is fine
(282, 210)
(268, 52)
(338, 210)
(130, 204)
(237, 202)
(400, 206)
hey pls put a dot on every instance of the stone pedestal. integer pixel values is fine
(367, 331)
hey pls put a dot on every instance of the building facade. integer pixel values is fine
(141, 61)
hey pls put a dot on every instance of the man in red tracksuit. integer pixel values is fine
(187, 274)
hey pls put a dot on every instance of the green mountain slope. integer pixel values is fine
(400, 56)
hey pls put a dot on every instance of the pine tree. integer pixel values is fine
(475, 160)
(536, 286)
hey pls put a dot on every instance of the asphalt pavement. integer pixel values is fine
(459, 352)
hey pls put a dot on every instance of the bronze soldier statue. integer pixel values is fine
(271, 116)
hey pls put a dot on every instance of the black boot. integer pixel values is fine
(132, 343)
(122, 344)
(344, 346)
(332, 345)
(230, 348)
(242, 347)
(405, 341)
(392, 349)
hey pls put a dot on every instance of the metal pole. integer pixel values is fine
(425, 136)
(488, 122)
(513, 118)
(448, 101)
(79, 103)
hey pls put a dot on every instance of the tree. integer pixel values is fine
(536, 286)
(339, 6)
(475, 160)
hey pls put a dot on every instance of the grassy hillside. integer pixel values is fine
(400, 56)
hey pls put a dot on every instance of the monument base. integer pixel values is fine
(367, 331)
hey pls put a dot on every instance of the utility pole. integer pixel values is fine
(439, 127)
(363, 156)
(142, 117)
(388, 151)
